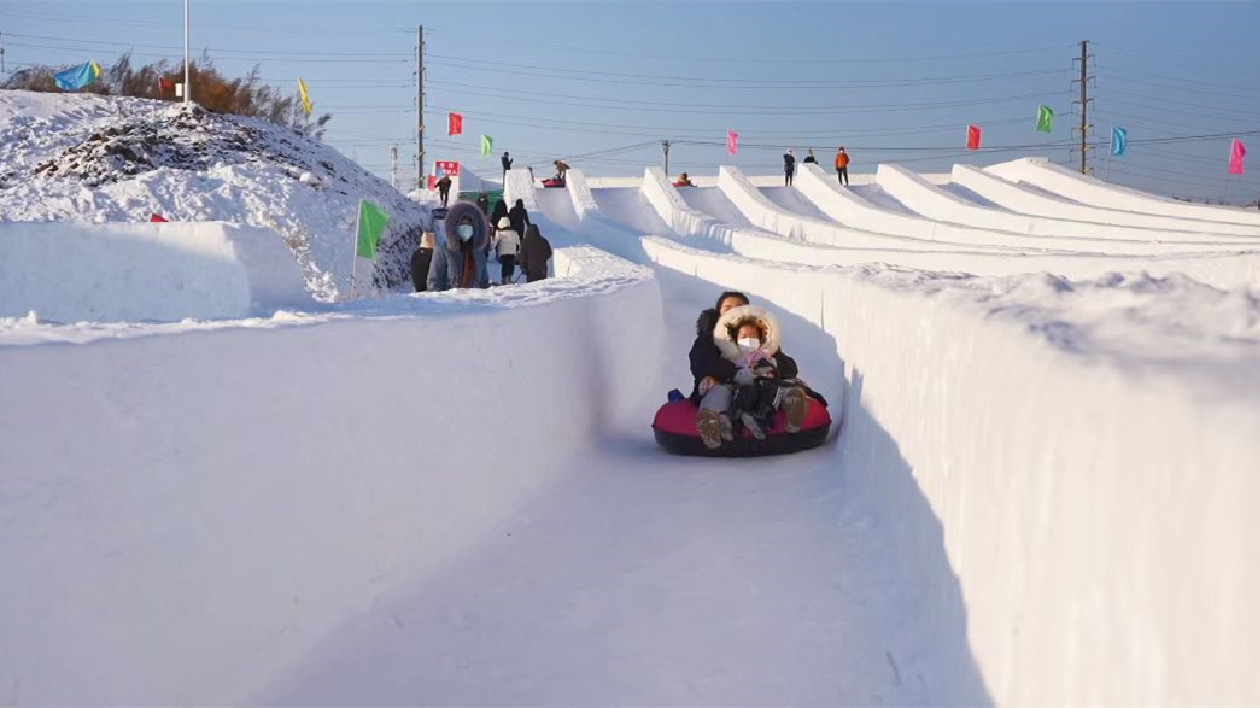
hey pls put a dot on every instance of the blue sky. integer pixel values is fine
(892, 81)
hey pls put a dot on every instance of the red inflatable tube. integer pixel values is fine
(675, 429)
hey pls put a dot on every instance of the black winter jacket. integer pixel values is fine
(789, 163)
(535, 252)
(519, 219)
(420, 262)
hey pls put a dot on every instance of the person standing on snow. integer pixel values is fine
(483, 203)
(789, 167)
(460, 261)
(508, 242)
(444, 188)
(506, 161)
(421, 260)
(562, 169)
(842, 166)
(518, 216)
(535, 252)
(810, 159)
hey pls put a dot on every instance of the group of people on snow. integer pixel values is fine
(842, 165)
(742, 375)
(460, 258)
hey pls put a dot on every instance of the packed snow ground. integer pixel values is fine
(1040, 489)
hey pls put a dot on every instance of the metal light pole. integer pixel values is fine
(187, 72)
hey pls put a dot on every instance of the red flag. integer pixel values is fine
(455, 124)
(164, 85)
(1237, 154)
(432, 182)
(732, 142)
(973, 137)
(157, 218)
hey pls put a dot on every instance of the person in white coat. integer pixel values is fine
(508, 243)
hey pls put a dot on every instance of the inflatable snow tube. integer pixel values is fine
(675, 429)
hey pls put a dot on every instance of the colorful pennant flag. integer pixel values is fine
(1045, 119)
(306, 96)
(372, 223)
(1237, 154)
(487, 145)
(732, 142)
(1119, 141)
(973, 137)
(77, 77)
(455, 124)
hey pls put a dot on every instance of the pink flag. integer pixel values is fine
(973, 137)
(1237, 153)
(732, 142)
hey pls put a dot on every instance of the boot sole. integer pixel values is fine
(709, 425)
(796, 404)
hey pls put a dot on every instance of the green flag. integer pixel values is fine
(372, 223)
(487, 145)
(1045, 119)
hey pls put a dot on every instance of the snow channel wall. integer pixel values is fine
(1222, 269)
(1112, 223)
(72, 271)
(1040, 172)
(187, 514)
(1100, 521)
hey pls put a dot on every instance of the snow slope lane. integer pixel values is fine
(1039, 172)
(697, 229)
(1166, 229)
(936, 202)
(640, 578)
(1093, 475)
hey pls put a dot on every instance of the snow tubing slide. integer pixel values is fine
(675, 428)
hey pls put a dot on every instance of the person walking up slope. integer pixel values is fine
(506, 161)
(789, 167)
(842, 166)
(444, 188)
(508, 243)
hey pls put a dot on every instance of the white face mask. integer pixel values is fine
(748, 344)
(465, 231)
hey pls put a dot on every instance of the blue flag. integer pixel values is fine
(1119, 141)
(76, 77)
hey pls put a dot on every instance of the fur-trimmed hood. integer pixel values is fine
(481, 230)
(725, 327)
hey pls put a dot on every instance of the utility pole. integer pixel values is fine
(393, 167)
(1084, 104)
(665, 146)
(187, 72)
(2, 54)
(419, 105)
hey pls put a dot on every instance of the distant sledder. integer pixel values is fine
(747, 398)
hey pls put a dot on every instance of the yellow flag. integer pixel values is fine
(306, 96)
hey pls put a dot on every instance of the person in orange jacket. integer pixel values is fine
(842, 166)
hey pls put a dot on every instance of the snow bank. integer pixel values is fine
(1097, 504)
(214, 502)
(69, 272)
(72, 157)
(1039, 171)
(1148, 227)
(519, 184)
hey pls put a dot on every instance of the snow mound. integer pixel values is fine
(106, 159)
(145, 272)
